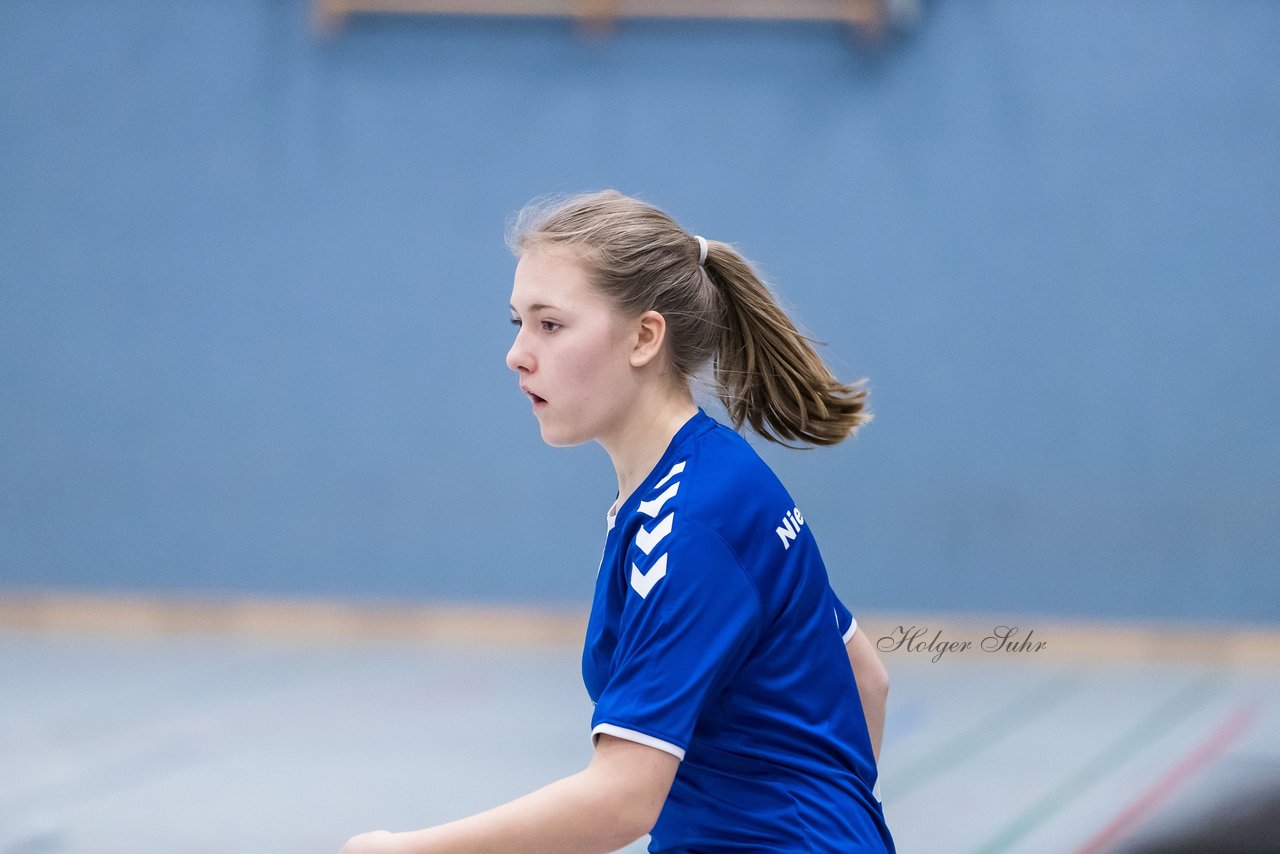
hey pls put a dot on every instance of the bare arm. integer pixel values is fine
(611, 803)
(873, 684)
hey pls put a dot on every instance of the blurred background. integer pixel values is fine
(253, 294)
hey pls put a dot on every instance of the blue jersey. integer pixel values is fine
(715, 636)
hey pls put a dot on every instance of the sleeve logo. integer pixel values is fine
(642, 582)
(647, 539)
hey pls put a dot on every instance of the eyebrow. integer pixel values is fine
(536, 307)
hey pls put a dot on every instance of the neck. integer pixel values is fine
(638, 443)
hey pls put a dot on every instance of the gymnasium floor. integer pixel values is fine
(190, 742)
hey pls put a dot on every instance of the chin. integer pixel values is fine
(557, 440)
(561, 438)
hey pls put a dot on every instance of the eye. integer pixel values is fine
(515, 321)
(550, 326)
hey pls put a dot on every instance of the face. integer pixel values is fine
(572, 350)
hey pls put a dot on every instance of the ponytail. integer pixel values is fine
(767, 373)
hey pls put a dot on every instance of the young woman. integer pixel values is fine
(728, 716)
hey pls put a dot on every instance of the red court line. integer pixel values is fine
(1209, 749)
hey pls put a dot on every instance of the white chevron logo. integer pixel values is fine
(654, 507)
(646, 540)
(675, 470)
(643, 582)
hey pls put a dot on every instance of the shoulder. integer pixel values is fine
(720, 487)
(727, 473)
(670, 544)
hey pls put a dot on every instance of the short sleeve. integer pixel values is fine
(845, 622)
(679, 642)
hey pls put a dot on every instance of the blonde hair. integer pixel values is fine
(766, 372)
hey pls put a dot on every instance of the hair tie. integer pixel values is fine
(702, 249)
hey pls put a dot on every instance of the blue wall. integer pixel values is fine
(253, 288)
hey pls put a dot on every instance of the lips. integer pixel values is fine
(537, 401)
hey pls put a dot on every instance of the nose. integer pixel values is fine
(519, 359)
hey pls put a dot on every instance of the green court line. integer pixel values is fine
(1146, 731)
(981, 735)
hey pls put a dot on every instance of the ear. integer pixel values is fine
(650, 331)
